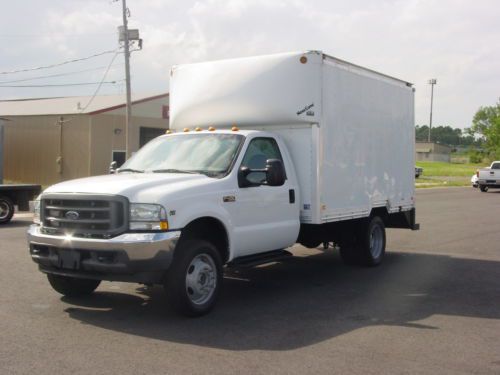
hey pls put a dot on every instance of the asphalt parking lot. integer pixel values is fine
(432, 307)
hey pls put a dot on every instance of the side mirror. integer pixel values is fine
(275, 172)
(112, 167)
(242, 178)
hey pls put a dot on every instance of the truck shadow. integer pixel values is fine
(17, 223)
(307, 300)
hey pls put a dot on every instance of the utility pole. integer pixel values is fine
(432, 82)
(59, 160)
(128, 110)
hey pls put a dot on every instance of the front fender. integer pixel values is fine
(190, 213)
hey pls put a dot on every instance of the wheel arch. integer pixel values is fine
(210, 229)
(380, 212)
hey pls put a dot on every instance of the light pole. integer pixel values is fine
(432, 82)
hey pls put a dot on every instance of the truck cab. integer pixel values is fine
(237, 190)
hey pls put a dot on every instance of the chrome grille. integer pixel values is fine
(90, 216)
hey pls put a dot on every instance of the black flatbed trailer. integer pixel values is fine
(16, 195)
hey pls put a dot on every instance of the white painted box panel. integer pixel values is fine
(367, 142)
(263, 90)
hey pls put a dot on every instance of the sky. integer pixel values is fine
(455, 41)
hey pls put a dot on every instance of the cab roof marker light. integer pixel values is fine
(234, 128)
(211, 129)
(186, 130)
(168, 131)
(198, 129)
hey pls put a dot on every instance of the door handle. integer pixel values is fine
(291, 196)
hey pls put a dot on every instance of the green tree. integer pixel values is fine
(486, 123)
(445, 134)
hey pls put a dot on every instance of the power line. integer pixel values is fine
(64, 84)
(101, 83)
(54, 35)
(57, 75)
(60, 64)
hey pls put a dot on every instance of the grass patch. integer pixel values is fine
(434, 169)
(440, 174)
(441, 181)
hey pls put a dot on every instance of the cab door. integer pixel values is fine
(265, 217)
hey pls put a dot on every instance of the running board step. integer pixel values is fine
(261, 258)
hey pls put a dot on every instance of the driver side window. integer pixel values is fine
(258, 151)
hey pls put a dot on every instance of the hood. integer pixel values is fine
(129, 184)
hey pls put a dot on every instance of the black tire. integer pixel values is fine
(6, 210)
(368, 246)
(196, 260)
(483, 188)
(72, 286)
(311, 243)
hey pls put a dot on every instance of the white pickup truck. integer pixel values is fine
(263, 152)
(489, 177)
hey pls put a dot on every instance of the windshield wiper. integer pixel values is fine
(130, 170)
(172, 170)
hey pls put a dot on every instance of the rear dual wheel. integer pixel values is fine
(367, 248)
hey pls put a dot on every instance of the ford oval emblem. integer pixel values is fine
(72, 215)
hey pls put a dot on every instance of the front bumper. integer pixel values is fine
(137, 257)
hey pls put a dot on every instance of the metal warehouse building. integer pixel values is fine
(54, 139)
(430, 151)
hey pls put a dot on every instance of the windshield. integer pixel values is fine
(211, 154)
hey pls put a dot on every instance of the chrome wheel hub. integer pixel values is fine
(201, 279)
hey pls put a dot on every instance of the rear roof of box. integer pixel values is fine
(363, 69)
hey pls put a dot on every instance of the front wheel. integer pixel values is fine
(72, 286)
(194, 279)
(483, 188)
(6, 210)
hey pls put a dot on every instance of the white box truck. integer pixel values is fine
(263, 152)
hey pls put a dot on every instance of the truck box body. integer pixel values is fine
(350, 130)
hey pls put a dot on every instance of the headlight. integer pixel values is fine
(144, 216)
(36, 211)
